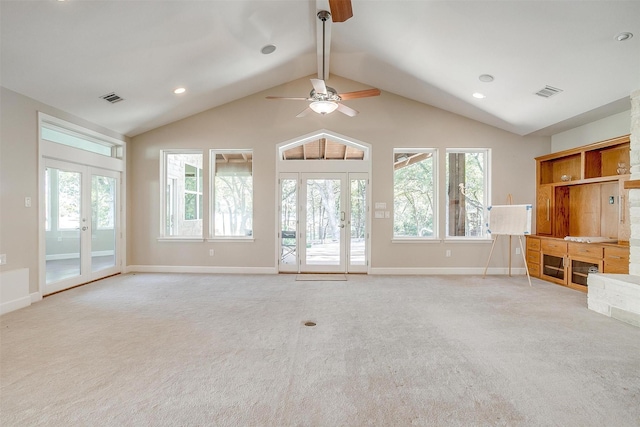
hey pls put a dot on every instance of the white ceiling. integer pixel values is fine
(68, 54)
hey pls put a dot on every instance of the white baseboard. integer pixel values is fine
(199, 269)
(273, 270)
(14, 290)
(430, 271)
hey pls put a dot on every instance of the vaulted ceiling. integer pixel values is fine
(69, 53)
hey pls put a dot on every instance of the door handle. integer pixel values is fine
(84, 228)
(341, 225)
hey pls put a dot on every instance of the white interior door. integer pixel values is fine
(82, 238)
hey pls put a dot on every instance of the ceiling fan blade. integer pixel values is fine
(340, 10)
(319, 86)
(284, 97)
(359, 94)
(304, 112)
(347, 110)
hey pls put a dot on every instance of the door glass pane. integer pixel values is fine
(323, 222)
(289, 221)
(103, 222)
(62, 245)
(358, 221)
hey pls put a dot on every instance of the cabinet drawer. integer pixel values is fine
(616, 260)
(533, 257)
(533, 244)
(585, 249)
(557, 246)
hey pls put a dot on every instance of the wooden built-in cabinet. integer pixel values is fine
(569, 263)
(580, 192)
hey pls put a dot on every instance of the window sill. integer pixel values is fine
(467, 240)
(415, 240)
(231, 239)
(181, 239)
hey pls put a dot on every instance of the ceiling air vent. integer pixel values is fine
(548, 91)
(112, 98)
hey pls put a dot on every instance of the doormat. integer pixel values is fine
(321, 278)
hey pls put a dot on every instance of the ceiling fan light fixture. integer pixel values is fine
(323, 107)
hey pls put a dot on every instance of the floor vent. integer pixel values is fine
(112, 98)
(548, 91)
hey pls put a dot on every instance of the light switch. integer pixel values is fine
(3, 259)
(27, 202)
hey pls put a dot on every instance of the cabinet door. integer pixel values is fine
(544, 209)
(624, 225)
(580, 268)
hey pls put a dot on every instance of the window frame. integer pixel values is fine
(486, 194)
(163, 236)
(436, 195)
(212, 195)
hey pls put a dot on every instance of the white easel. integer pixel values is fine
(524, 258)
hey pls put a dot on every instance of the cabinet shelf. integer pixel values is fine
(580, 192)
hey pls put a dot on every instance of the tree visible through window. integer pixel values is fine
(414, 193)
(467, 192)
(232, 193)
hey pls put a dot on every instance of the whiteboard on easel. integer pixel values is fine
(514, 220)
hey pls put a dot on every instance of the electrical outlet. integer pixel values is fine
(447, 253)
(212, 252)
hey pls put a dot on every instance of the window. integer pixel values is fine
(414, 193)
(182, 185)
(60, 135)
(467, 192)
(232, 213)
(192, 192)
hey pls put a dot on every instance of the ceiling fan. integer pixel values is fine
(324, 99)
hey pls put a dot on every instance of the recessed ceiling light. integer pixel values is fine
(479, 95)
(623, 36)
(268, 49)
(179, 90)
(487, 78)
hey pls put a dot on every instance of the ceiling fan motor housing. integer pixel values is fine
(331, 95)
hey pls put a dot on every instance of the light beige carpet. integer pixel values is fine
(233, 350)
(307, 277)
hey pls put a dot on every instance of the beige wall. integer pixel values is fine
(385, 122)
(19, 178)
(600, 130)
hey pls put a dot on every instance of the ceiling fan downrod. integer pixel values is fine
(323, 15)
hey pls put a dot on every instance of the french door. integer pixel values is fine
(82, 222)
(323, 222)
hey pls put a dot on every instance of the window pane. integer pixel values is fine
(190, 178)
(75, 141)
(466, 193)
(414, 194)
(233, 194)
(183, 194)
